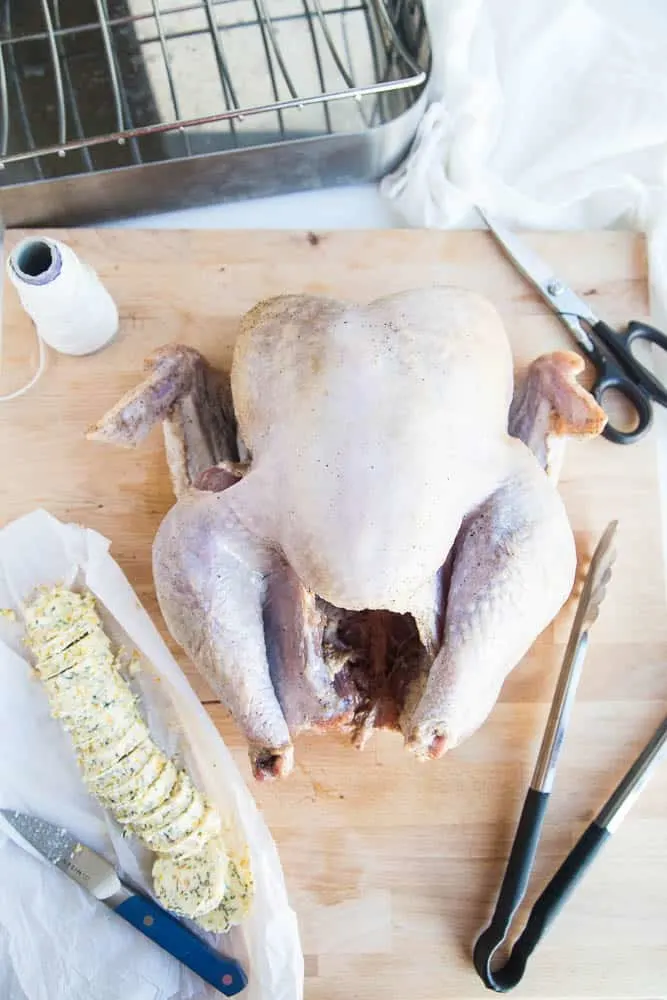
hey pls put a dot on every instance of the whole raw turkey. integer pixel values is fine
(367, 530)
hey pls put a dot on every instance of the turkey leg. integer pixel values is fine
(513, 564)
(212, 578)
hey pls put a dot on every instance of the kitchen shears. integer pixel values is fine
(610, 351)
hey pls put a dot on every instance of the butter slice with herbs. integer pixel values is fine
(236, 901)
(58, 617)
(209, 828)
(90, 651)
(192, 886)
(98, 758)
(165, 838)
(73, 697)
(179, 799)
(107, 735)
(119, 794)
(126, 770)
(101, 721)
(72, 690)
(128, 808)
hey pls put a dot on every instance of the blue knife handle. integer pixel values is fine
(224, 973)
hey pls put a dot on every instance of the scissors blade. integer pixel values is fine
(565, 303)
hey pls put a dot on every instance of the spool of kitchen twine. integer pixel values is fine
(72, 311)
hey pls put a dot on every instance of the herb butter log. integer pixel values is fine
(194, 873)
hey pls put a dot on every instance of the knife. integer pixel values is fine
(94, 873)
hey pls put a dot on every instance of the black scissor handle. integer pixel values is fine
(638, 331)
(611, 377)
(620, 347)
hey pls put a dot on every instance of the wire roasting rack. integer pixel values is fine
(92, 87)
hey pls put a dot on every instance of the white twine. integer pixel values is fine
(72, 311)
(41, 365)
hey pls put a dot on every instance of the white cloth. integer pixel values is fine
(549, 115)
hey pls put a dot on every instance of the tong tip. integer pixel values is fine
(598, 576)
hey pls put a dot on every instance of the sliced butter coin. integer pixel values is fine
(53, 607)
(88, 674)
(171, 809)
(96, 740)
(92, 648)
(95, 761)
(120, 794)
(47, 652)
(150, 794)
(126, 770)
(206, 830)
(72, 697)
(194, 885)
(168, 838)
(97, 718)
(57, 617)
(236, 901)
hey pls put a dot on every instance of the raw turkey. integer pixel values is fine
(367, 531)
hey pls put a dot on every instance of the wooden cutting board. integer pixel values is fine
(393, 865)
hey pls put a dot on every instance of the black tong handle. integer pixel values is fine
(559, 889)
(513, 890)
(552, 899)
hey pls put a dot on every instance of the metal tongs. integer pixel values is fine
(527, 836)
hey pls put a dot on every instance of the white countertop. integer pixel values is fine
(354, 207)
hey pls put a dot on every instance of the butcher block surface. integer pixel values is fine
(393, 865)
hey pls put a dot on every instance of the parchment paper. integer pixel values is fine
(56, 941)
